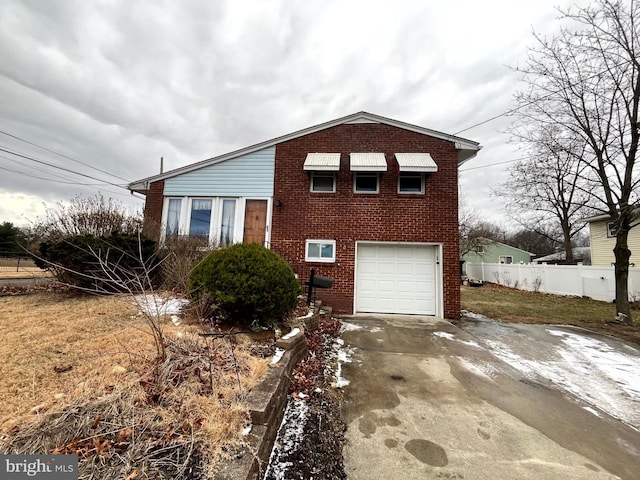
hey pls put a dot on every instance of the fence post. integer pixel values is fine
(18, 266)
(482, 266)
(581, 279)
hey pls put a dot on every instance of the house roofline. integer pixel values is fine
(510, 246)
(467, 148)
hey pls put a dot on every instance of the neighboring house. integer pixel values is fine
(603, 239)
(366, 200)
(580, 255)
(495, 252)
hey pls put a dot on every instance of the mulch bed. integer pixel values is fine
(317, 451)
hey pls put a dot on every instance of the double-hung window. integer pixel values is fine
(174, 211)
(227, 221)
(200, 217)
(320, 251)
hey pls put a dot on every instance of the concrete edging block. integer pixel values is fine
(267, 403)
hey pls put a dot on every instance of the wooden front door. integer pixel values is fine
(255, 221)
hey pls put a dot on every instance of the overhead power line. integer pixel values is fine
(515, 109)
(52, 165)
(61, 155)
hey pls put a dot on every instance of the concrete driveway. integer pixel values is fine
(429, 400)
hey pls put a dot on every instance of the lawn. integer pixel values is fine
(84, 368)
(512, 305)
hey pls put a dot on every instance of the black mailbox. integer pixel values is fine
(317, 281)
(322, 282)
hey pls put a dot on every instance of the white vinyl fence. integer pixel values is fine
(594, 282)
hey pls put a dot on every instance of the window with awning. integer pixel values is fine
(367, 162)
(322, 162)
(416, 162)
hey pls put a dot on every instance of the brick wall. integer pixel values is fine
(153, 210)
(347, 217)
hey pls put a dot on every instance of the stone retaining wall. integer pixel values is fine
(267, 403)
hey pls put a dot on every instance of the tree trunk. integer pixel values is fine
(622, 256)
(568, 248)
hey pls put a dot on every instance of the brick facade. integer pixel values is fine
(347, 217)
(153, 210)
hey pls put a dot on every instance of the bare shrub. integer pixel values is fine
(87, 216)
(181, 255)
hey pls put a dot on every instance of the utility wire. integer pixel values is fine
(41, 170)
(515, 109)
(27, 157)
(494, 164)
(61, 155)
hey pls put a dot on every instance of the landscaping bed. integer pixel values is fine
(81, 375)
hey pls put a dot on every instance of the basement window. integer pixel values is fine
(320, 251)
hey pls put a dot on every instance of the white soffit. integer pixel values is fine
(416, 162)
(368, 162)
(328, 162)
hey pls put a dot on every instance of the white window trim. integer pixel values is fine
(323, 173)
(364, 192)
(422, 182)
(216, 214)
(214, 210)
(610, 226)
(319, 259)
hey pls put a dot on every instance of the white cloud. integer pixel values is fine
(119, 84)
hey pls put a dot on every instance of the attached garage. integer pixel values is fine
(397, 278)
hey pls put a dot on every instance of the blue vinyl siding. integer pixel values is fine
(250, 175)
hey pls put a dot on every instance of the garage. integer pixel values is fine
(396, 278)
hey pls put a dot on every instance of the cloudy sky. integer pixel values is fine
(112, 86)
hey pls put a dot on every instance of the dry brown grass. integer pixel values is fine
(92, 335)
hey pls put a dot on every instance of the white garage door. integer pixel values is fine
(396, 279)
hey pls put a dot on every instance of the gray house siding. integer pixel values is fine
(250, 175)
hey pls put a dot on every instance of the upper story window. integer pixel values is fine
(365, 182)
(505, 259)
(612, 230)
(320, 251)
(322, 167)
(323, 182)
(410, 182)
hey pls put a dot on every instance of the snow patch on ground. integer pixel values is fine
(482, 369)
(447, 335)
(375, 330)
(289, 437)
(277, 356)
(291, 334)
(349, 327)
(476, 316)
(452, 337)
(154, 304)
(588, 368)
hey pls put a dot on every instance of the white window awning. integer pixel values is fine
(368, 162)
(416, 162)
(322, 162)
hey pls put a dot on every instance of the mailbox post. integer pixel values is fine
(317, 281)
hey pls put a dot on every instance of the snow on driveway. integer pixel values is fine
(602, 372)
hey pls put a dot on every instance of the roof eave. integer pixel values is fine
(467, 148)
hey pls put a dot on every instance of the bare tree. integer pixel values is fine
(586, 79)
(548, 191)
(87, 216)
(475, 233)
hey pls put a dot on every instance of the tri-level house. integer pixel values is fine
(366, 200)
